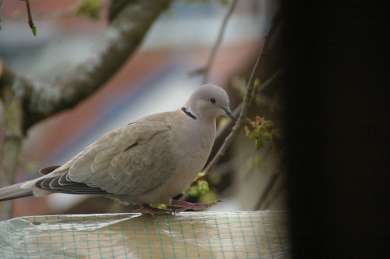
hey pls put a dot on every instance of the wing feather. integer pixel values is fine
(127, 161)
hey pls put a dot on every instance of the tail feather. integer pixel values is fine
(14, 191)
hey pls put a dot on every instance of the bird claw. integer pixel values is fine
(175, 206)
(182, 205)
(147, 210)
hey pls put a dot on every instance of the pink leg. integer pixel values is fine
(182, 205)
(147, 210)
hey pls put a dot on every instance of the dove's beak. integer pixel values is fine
(228, 113)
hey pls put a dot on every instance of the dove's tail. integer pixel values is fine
(16, 191)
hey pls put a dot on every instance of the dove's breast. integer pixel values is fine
(191, 147)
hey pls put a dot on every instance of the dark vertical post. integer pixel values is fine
(336, 128)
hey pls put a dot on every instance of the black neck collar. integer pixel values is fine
(188, 113)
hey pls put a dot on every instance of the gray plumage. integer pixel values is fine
(147, 161)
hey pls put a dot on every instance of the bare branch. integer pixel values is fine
(114, 8)
(218, 42)
(267, 190)
(12, 141)
(277, 186)
(206, 69)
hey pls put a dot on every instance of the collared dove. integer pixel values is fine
(148, 161)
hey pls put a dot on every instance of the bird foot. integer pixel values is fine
(182, 205)
(147, 210)
(174, 207)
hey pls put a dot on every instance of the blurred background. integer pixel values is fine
(334, 120)
(158, 77)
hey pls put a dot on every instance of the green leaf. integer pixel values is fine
(257, 82)
(90, 9)
(193, 192)
(260, 131)
(259, 143)
(267, 136)
(203, 187)
(34, 30)
(160, 206)
(208, 198)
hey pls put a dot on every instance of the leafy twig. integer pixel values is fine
(30, 19)
(247, 98)
(12, 140)
(228, 126)
(246, 103)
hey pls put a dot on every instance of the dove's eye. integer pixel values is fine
(212, 100)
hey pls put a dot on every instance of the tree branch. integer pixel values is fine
(277, 186)
(121, 39)
(12, 139)
(267, 190)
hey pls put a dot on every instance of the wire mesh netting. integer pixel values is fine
(260, 234)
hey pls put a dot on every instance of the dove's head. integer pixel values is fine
(209, 102)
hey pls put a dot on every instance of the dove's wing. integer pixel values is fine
(128, 161)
